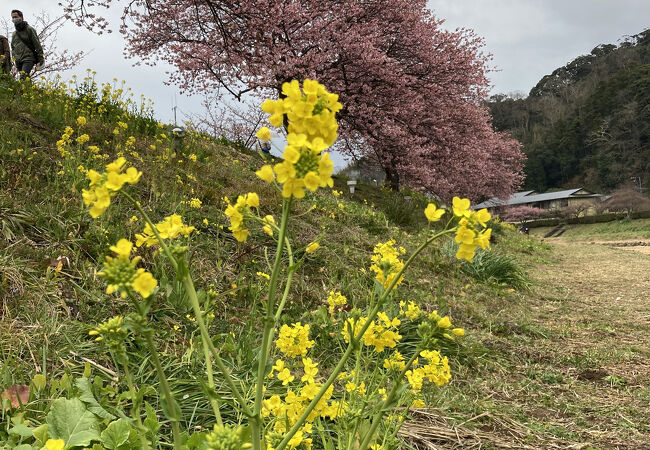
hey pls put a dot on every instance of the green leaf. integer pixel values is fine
(40, 433)
(71, 421)
(22, 430)
(24, 447)
(197, 442)
(116, 434)
(83, 384)
(151, 421)
(39, 381)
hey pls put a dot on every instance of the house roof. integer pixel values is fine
(525, 197)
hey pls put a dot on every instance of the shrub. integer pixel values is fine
(493, 267)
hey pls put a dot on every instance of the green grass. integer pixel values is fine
(617, 229)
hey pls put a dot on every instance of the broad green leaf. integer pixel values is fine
(25, 447)
(71, 421)
(65, 382)
(40, 433)
(151, 423)
(197, 442)
(39, 381)
(22, 430)
(116, 434)
(83, 384)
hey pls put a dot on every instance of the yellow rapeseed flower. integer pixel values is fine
(311, 248)
(145, 283)
(386, 263)
(122, 248)
(266, 173)
(310, 112)
(294, 340)
(461, 207)
(264, 134)
(432, 213)
(334, 300)
(54, 444)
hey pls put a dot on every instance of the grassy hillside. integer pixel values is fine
(51, 251)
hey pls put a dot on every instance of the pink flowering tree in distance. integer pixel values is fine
(412, 91)
(521, 213)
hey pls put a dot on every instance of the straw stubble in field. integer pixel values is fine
(572, 369)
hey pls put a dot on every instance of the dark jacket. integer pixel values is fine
(5, 55)
(21, 51)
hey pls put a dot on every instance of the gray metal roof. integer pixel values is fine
(525, 197)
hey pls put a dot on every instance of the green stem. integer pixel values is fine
(167, 393)
(285, 295)
(188, 284)
(269, 325)
(382, 410)
(171, 405)
(354, 342)
(135, 409)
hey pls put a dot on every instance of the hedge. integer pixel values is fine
(600, 218)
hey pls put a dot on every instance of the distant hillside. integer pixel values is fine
(588, 123)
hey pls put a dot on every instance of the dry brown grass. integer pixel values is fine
(582, 382)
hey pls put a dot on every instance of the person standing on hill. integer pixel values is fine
(25, 46)
(5, 56)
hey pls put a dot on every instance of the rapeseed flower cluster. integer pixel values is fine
(335, 300)
(380, 334)
(471, 231)
(62, 144)
(395, 361)
(386, 263)
(436, 371)
(240, 212)
(294, 340)
(112, 327)
(412, 311)
(103, 186)
(123, 276)
(310, 114)
(170, 228)
(287, 410)
(224, 437)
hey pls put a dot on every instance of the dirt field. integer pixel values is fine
(581, 378)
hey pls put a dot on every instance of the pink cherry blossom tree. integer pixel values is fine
(412, 91)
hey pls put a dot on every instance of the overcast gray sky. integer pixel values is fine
(527, 38)
(530, 38)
